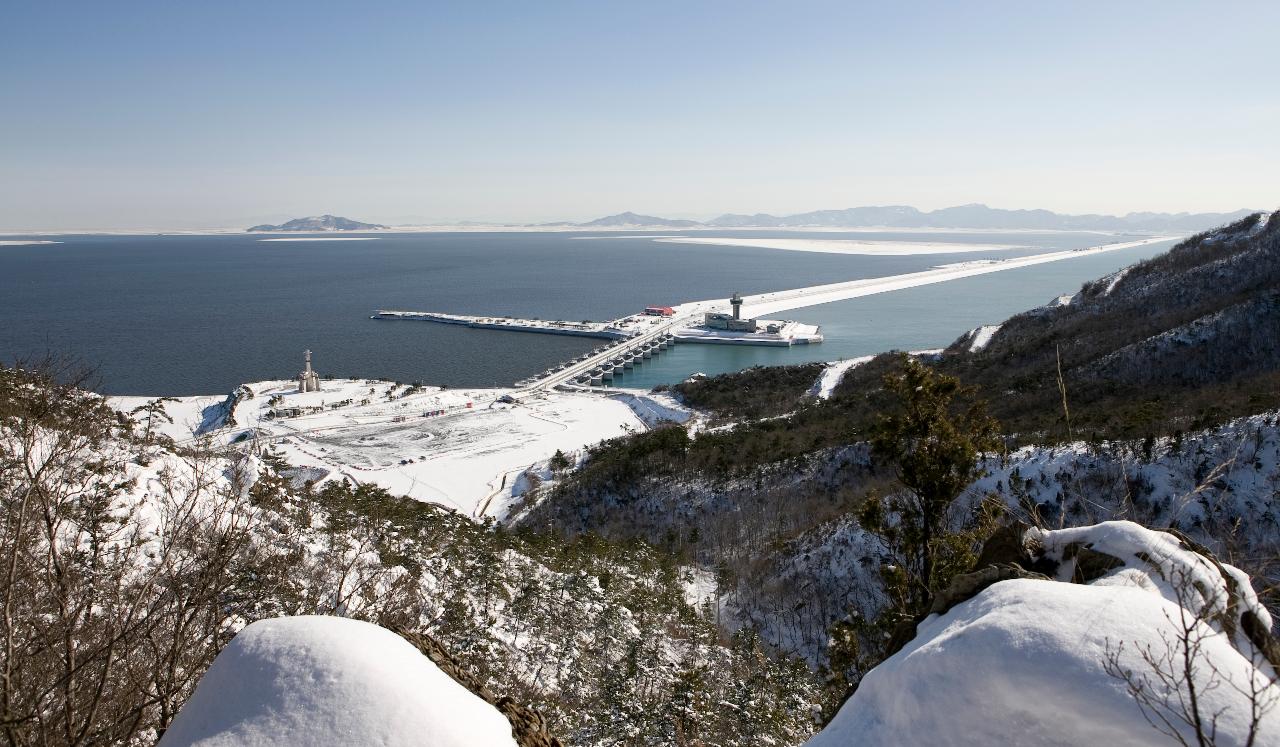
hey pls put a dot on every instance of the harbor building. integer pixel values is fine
(727, 322)
(308, 380)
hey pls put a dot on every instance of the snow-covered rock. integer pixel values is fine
(328, 680)
(1025, 661)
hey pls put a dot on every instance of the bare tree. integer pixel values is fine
(113, 595)
(1178, 675)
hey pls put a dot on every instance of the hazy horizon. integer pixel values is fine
(173, 117)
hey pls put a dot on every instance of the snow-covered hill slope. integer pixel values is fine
(1177, 341)
(1221, 485)
(1048, 662)
(303, 681)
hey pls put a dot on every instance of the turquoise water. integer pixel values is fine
(931, 316)
(183, 315)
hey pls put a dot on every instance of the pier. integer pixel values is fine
(549, 327)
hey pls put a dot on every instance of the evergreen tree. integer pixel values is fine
(932, 434)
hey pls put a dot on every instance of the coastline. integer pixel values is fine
(503, 228)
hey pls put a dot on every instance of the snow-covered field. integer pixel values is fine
(24, 242)
(465, 449)
(846, 246)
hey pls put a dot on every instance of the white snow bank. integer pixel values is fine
(832, 375)
(328, 680)
(1023, 662)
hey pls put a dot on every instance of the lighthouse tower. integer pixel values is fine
(308, 380)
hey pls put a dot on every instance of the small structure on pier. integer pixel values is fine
(730, 323)
(308, 380)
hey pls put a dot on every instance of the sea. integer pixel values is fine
(179, 315)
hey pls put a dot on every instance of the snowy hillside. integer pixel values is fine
(204, 539)
(1176, 342)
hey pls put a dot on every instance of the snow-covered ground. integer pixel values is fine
(312, 680)
(846, 246)
(25, 242)
(461, 448)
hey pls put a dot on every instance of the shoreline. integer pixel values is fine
(868, 248)
(498, 228)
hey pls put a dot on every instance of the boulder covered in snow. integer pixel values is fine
(329, 680)
(1055, 661)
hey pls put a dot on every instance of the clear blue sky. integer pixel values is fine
(185, 114)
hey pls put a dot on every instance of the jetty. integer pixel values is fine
(549, 327)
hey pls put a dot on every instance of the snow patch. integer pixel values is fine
(981, 337)
(832, 375)
(1114, 279)
(654, 408)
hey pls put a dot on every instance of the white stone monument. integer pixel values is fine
(308, 380)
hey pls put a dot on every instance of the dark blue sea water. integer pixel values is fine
(181, 315)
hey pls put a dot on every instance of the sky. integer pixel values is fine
(184, 115)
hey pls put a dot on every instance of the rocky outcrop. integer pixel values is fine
(222, 414)
(1085, 635)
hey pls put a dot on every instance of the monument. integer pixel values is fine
(308, 380)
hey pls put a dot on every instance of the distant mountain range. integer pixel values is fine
(320, 223)
(622, 220)
(962, 216)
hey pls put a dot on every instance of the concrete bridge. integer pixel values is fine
(603, 364)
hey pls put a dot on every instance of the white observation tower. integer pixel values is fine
(308, 380)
